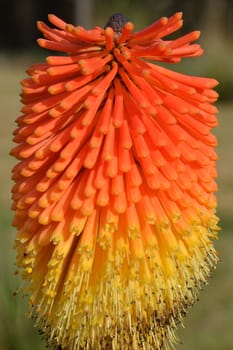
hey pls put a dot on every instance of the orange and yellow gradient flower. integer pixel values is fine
(114, 189)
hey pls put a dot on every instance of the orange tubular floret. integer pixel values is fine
(153, 177)
(91, 157)
(120, 203)
(108, 147)
(89, 189)
(118, 110)
(36, 68)
(58, 22)
(56, 88)
(185, 39)
(92, 104)
(103, 123)
(170, 28)
(174, 23)
(109, 38)
(76, 164)
(64, 70)
(133, 89)
(92, 36)
(126, 33)
(36, 91)
(192, 50)
(80, 81)
(117, 185)
(158, 50)
(133, 176)
(49, 33)
(55, 46)
(132, 218)
(125, 136)
(73, 98)
(90, 65)
(96, 139)
(100, 178)
(196, 82)
(104, 84)
(147, 165)
(103, 196)
(112, 165)
(125, 159)
(88, 205)
(151, 94)
(149, 32)
(134, 194)
(61, 60)
(141, 147)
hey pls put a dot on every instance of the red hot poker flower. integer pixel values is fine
(114, 190)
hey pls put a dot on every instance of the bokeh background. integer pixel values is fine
(209, 324)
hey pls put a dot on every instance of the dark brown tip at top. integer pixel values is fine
(117, 22)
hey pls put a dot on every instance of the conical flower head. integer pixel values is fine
(114, 189)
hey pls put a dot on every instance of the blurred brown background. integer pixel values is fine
(209, 324)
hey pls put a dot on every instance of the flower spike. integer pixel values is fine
(114, 189)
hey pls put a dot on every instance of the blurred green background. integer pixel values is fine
(209, 324)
